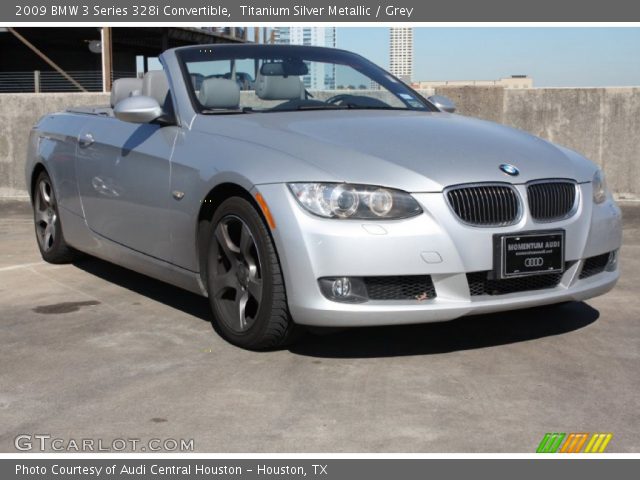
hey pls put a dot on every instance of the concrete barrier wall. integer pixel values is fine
(18, 113)
(601, 123)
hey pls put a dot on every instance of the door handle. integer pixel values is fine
(86, 140)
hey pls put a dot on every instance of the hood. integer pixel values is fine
(413, 151)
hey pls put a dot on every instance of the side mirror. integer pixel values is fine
(443, 103)
(138, 109)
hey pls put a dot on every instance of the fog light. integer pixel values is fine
(341, 287)
(612, 262)
(344, 289)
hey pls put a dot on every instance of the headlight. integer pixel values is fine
(342, 200)
(599, 185)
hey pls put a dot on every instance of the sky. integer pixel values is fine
(553, 56)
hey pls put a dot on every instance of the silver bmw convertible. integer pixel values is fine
(302, 186)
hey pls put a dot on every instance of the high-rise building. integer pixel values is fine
(401, 53)
(321, 76)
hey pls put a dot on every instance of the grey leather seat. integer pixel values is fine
(156, 85)
(219, 93)
(123, 88)
(279, 87)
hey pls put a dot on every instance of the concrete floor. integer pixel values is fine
(94, 351)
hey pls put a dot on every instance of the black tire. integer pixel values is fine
(48, 227)
(244, 280)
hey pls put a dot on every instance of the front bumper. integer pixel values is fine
(435, 243)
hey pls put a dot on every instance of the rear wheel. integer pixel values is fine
(244, 278)
(51, 242)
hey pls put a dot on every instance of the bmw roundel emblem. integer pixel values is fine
(510, 169)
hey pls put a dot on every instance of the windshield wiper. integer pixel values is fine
(371, 107)
(269, 110)
(299, 108)
(320, 107)
(226, 112)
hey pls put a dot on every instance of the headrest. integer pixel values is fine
(273, 87)
(219, 93)
(123, 88)
(156, 85)
(196, 80)
(290, 67)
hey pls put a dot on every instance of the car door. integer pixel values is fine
(123, 174)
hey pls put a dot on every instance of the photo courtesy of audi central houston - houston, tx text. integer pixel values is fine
(318, 239)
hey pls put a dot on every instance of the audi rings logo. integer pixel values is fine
(533, 262)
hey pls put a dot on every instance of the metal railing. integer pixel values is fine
(52, 81)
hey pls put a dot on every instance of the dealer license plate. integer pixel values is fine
(529, 253)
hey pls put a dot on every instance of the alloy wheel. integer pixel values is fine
(236, 284)
(46, 215)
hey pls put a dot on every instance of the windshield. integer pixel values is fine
(277, 78)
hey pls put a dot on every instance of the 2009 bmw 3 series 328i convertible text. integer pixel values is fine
(251, 175)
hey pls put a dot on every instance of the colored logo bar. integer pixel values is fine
(574, 443)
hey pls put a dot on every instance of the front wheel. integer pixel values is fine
(244, 279)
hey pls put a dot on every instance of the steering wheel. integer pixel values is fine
(356, 101)
(337, 98)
